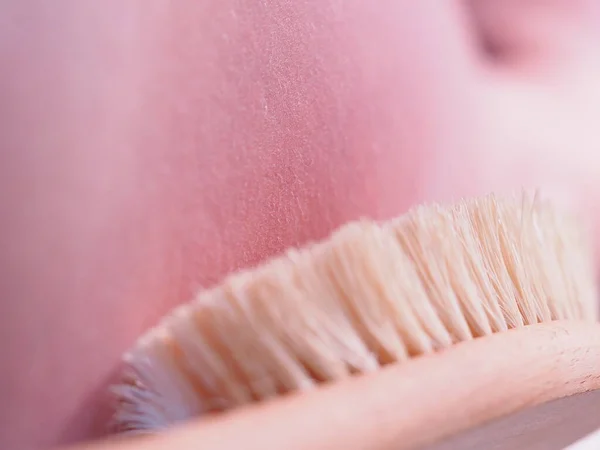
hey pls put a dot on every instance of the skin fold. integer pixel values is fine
(150, 147)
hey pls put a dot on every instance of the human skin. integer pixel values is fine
(150, 147)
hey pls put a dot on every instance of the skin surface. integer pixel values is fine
(150, 147)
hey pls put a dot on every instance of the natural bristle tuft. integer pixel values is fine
(372, 294)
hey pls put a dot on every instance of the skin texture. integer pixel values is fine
(150, 147)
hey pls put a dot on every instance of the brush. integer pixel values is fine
(372, 294)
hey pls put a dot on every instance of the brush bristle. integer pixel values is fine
(372, 294)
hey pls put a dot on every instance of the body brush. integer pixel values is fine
(398, 293)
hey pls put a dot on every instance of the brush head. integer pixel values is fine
(370, 295)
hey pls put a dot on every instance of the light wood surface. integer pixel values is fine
(431, 400)
(550, 426)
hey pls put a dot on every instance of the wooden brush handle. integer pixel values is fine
(416, 404)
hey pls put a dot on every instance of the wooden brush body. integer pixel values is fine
(372, 295)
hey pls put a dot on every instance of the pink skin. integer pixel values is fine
(150, 147)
